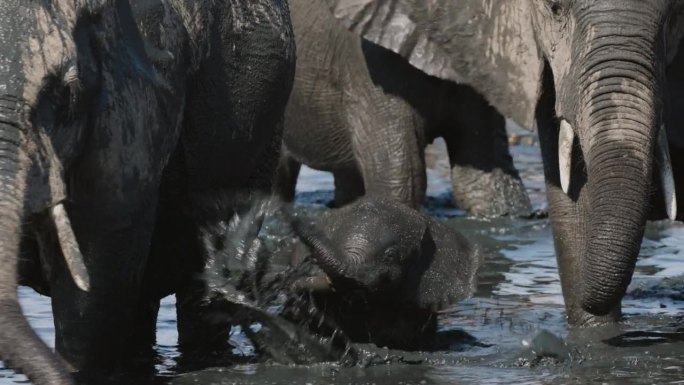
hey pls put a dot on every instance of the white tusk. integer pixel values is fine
(666, 177)
(70, 250)
(566, 137)
(157, 55)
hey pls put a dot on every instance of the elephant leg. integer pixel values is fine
(203, 326)
(484, 179)
(231, 140)
(113, 195)
(176, 263)
(388, 148)
(176, 266)
(146, 321)
(286, 176)
(99, 329)
(348, 187)
(677, 158)
(674, 122)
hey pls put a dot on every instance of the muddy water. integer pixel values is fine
(516, 315)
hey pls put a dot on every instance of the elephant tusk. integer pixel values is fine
(320, 282)
(157, 55)
(70, 250)
(566, 137)
(666, 177)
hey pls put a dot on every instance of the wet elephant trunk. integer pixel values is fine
(325, 254)
(20, 347)
(621, 121)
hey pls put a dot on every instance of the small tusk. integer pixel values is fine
(666, 177)
(320, 282)
(566, 137)
(70, 250)
(157, 55)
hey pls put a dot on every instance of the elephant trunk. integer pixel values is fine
(20, 347)
(324, 253)
(619, 112)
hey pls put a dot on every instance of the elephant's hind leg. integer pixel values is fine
(484, 179)
(285, 180)
(348, 187)
(203, 328)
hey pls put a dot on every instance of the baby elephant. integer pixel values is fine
(387, 270)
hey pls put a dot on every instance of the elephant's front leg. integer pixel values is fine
(484, 179)
(285, 180)
(389, 150)
(674, 124)
(112, 201)
(103, 328)
(348, 186)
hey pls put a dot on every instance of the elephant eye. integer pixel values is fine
(72, 92)
(555, 6)
(391, 255)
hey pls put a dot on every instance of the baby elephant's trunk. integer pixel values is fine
(323, 251)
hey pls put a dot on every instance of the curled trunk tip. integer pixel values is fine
(323, 251)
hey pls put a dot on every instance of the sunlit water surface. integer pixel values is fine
(518, 296)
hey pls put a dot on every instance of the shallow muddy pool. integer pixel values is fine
(516, 315)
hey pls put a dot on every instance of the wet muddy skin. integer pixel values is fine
(516, 316)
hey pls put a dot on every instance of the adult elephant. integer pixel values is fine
(104, 136)
(363, 113)
(599, 79)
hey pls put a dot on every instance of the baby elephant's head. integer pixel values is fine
(390, 251)
(371, 245)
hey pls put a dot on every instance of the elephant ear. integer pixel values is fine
(487, 44)
(447, 269)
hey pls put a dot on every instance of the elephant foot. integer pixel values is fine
(489, 193)
(580, 318)
(139, 374)
(203, 326)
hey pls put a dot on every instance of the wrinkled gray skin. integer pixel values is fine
(612, 69)
(389, 268)
(363, 113)
(128, 117)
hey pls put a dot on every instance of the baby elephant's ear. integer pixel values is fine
(489, 45)
(447, 270)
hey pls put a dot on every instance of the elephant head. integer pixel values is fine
(68, 74)
(591, 75)
(388, 270)
(392, 252)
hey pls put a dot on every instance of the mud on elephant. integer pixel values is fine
(599, 79)
(363, 113)
(116, 121)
